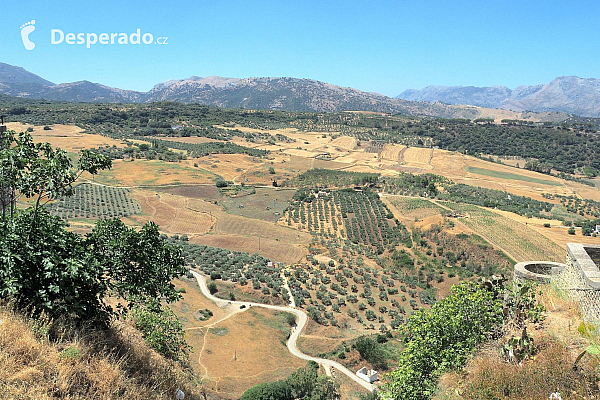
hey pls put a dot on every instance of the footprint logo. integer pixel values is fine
(26, 29)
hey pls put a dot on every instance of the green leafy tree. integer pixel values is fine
(138, 266)
(441, 338)
(38, 171)
(303, 380)
(279, 390)
(49, 269)
(370, 350)
(325, 389)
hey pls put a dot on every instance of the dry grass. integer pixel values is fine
(243, 351)
(171, 213)
(552, 371)
(67, 137)
(154, 172)
(89, 365)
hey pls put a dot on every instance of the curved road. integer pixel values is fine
(301, 321)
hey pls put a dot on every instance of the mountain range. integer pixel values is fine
(293, 94)
(568, 94)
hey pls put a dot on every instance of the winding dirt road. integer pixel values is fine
(301, 321)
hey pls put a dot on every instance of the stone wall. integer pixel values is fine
(581, 278)
(537, 271)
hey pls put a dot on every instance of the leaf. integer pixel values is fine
(582, 329)
(593, 349)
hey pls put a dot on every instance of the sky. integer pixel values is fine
(374, 46)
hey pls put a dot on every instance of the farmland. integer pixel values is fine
(151, 173)
(359, 216)
(520, 242)
(230, 355)
(96, 201)
(365, 222)
(509, 176)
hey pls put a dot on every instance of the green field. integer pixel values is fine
(262, 203)
(407, 204)
(508, 175)
(521, 242)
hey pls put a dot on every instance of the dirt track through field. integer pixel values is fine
(301, 321)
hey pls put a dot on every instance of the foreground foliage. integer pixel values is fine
(301, 384)
(48, 269)
(161, 329)
(440, 339)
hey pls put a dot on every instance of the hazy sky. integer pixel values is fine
(375, 46)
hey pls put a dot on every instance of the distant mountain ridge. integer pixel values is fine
(569, 94)
(288, 94)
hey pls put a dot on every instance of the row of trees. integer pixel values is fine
(95, 201)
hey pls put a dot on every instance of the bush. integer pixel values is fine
(371, 351)
(290, 319)
(161, 329)
(301, 384)
(571, 231)
(269, 391)
(441, 338)
(212, 288)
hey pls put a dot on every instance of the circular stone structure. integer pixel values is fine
(538, 271)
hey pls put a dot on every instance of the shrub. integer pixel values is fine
(371, 351)
(212, 288)
(441, 338)
(161, 329)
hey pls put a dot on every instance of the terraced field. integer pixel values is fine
(344, 142)
(393, 152)
(417, 155)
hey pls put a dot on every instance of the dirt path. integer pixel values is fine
(301, 321)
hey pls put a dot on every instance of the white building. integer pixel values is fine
(367, 375)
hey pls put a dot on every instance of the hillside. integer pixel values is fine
(88, 364)
(262, 93)
(567, 94)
